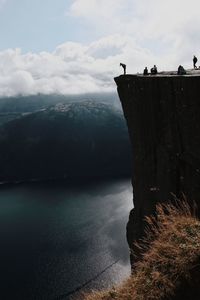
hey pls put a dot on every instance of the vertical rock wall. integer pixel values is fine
(163, 118)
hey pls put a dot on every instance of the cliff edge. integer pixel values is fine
(163, 118)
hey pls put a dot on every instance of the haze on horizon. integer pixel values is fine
(75, 46)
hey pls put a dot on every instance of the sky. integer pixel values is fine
(76, 46)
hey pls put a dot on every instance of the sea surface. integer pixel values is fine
(57, 238)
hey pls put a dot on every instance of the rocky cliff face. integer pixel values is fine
(163, 118)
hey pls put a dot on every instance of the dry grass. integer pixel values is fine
(173, 249)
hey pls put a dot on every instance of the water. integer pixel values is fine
(54, 238)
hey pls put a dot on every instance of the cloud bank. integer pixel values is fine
(136, 32)
(72, 68)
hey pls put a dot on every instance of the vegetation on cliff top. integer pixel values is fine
(169, 266)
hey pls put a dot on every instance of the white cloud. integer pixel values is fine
(162, 26)
(95, 9)
(137, 32)
(74, 68)
(155, 17)
(71, 68)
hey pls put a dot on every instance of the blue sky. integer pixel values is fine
(74, 46)
(35, 25)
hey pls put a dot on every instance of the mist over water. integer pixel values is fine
(55, 238)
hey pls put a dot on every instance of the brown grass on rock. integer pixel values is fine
(173, 239)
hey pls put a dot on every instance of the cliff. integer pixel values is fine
(163, 118)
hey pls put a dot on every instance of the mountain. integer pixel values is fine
(15, 107)
(80, 139)
(21, 104)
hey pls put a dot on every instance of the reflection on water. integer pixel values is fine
(55, 238)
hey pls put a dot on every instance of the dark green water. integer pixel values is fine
(55, 237)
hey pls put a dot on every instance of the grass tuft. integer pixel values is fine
(171, 250)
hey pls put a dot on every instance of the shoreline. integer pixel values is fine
(66, 180)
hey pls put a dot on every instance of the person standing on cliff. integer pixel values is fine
(195, 61)
(124, 67)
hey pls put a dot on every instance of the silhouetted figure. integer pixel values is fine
(195, 61)
(154, 70)
(124, 67)
(146, 72)
(181, 70)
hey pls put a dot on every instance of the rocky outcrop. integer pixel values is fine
(163, 118)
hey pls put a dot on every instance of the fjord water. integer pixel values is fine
(56, 237)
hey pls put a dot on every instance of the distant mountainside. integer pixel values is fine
(21, 104)
(77, 139)
(15, 107)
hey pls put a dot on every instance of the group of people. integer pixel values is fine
(154, 71)
(181, 70)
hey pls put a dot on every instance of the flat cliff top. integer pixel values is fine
(189, 73)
